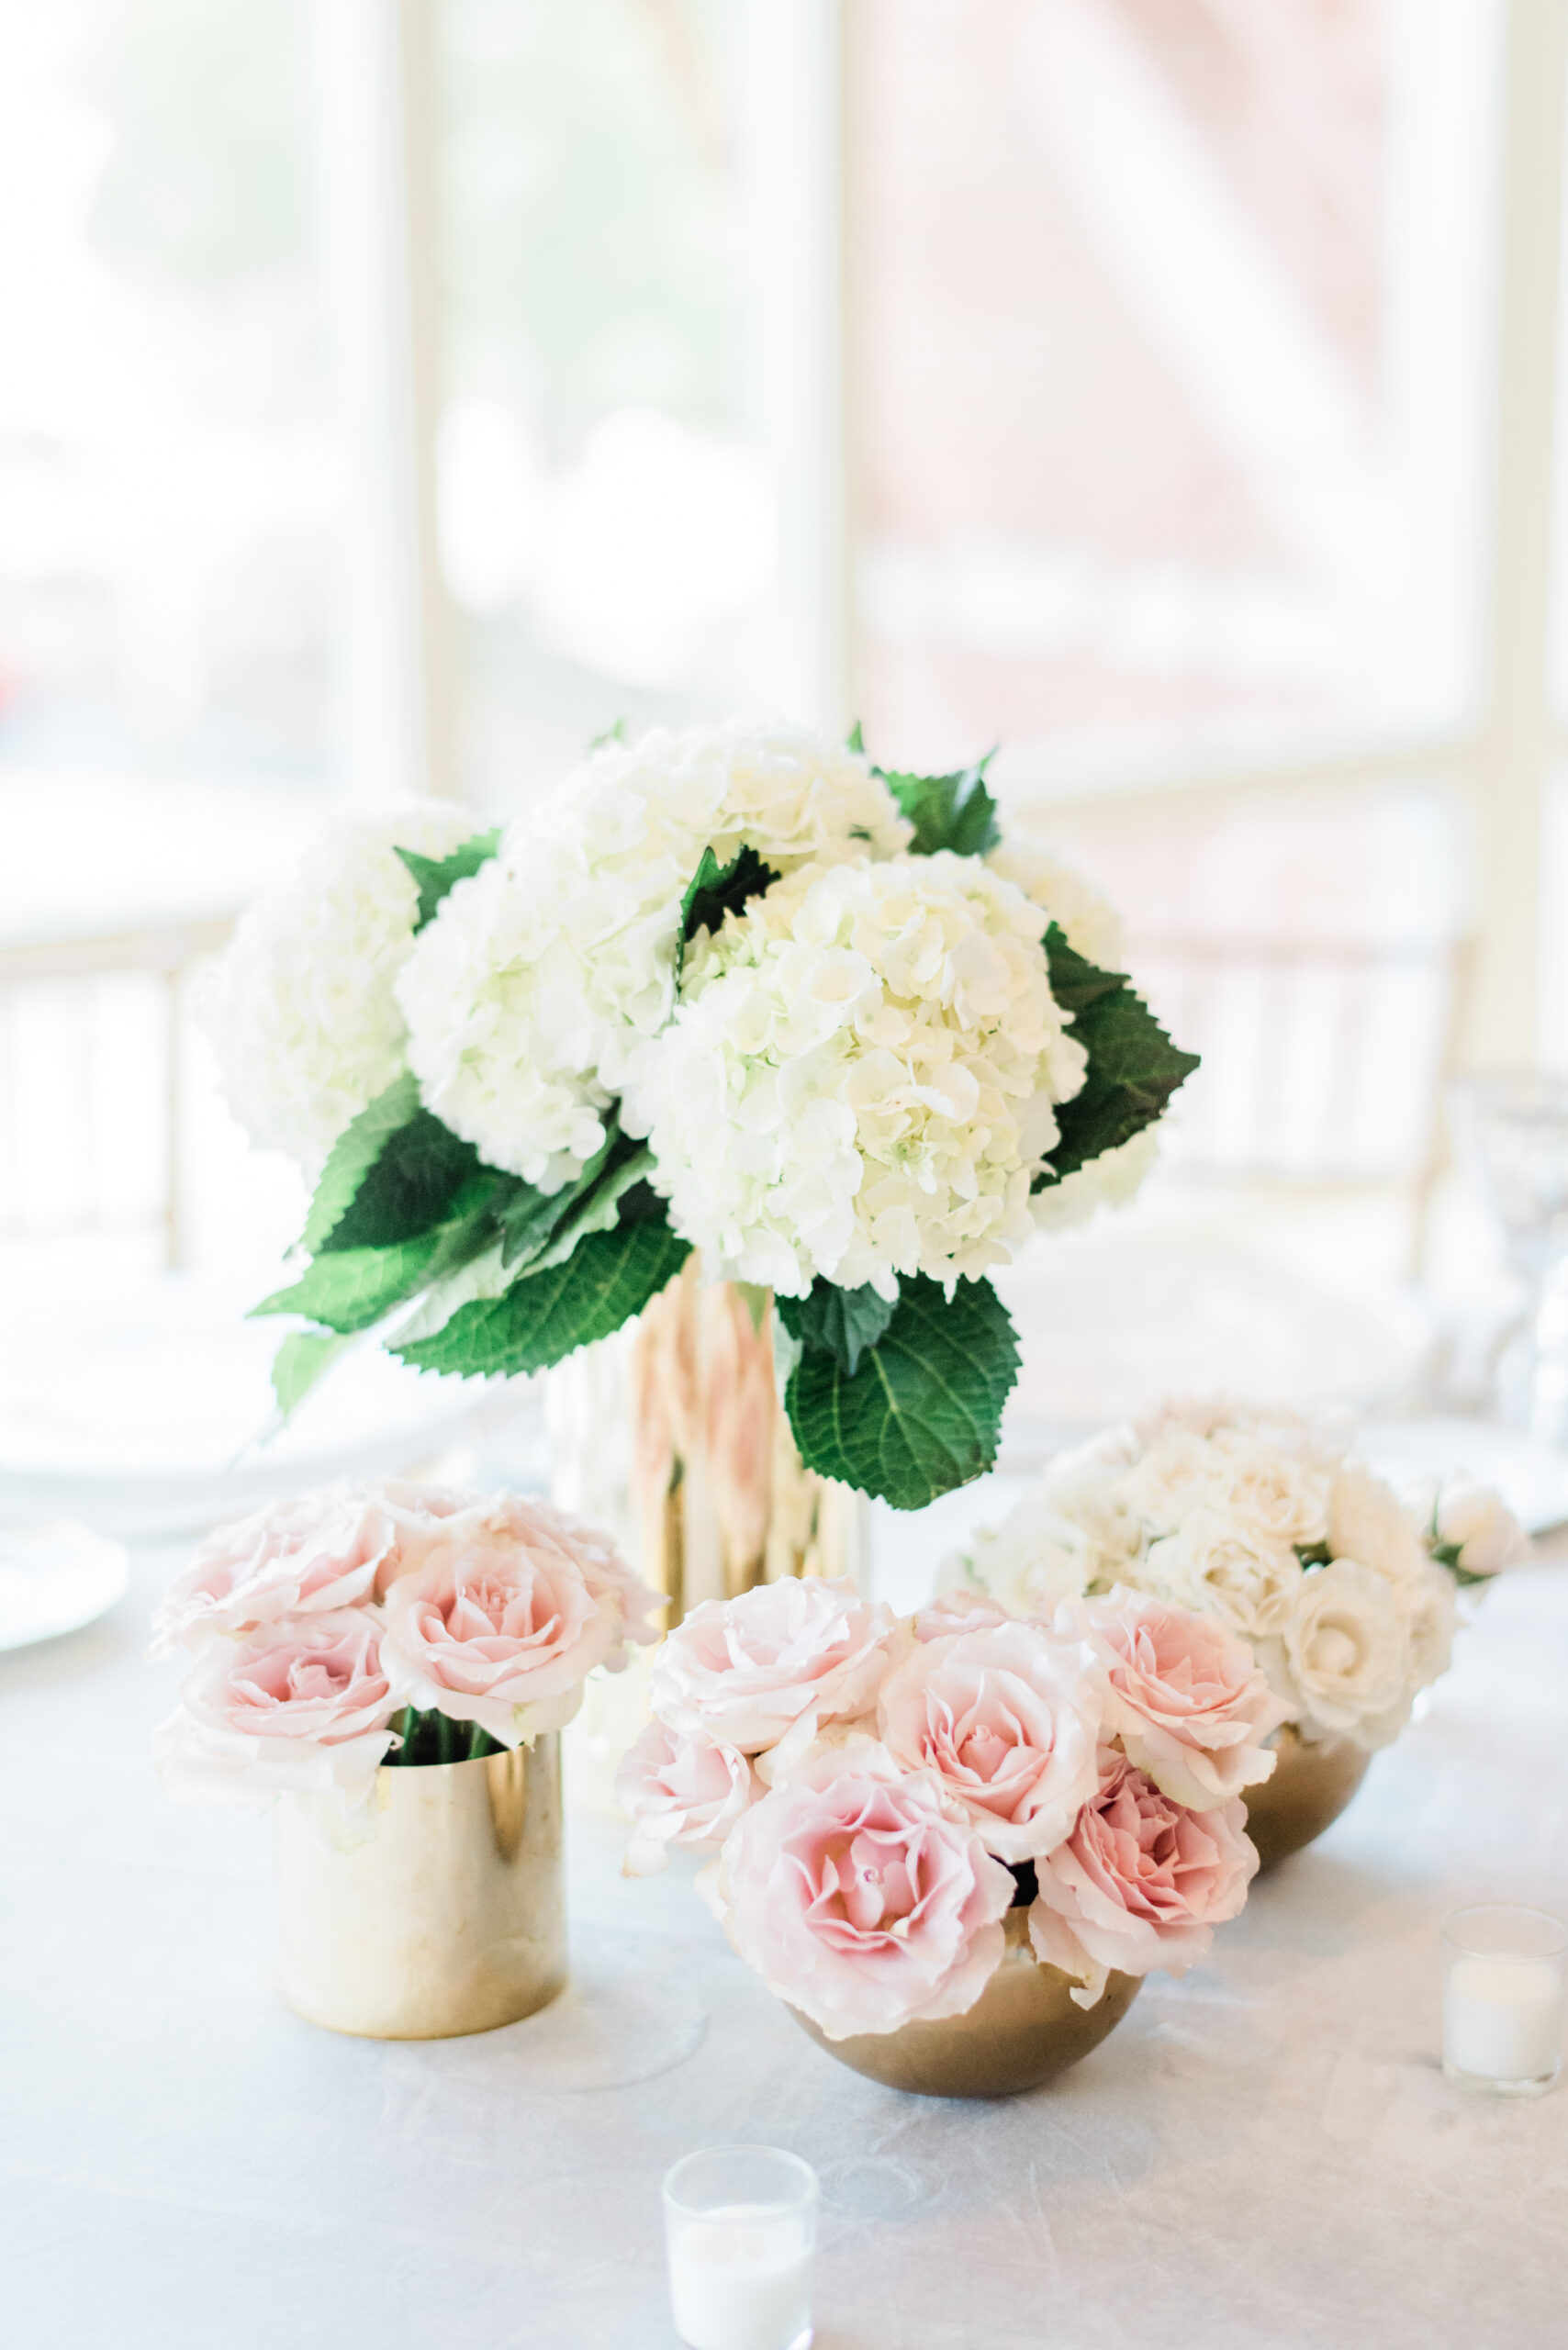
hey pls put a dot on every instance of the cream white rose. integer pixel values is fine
(1344, 1648)
(1366, 1522)
(1224, 1567)
(1477, 1521)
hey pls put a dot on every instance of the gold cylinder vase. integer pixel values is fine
(1024, 2030)
(1311, 1785)
(450, 1918)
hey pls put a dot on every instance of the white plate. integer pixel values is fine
(54, 1579)
(147, 1416)
(1531, 1477)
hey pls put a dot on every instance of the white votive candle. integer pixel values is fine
(740, 2279)
(1503, 1996)
(741, 2222)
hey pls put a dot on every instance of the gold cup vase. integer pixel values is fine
(450, 1918)
(1024, 2030)
(1310, 1786)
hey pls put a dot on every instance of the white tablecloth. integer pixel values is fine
(1263, 2156)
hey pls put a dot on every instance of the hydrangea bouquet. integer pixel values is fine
(879, 1794)
(738, 992)
(1264, 1524)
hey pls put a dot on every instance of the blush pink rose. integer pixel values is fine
(789, 1656)
(501, 1625)
(861, 1897)
(683, 1790)
(436, 1527)
(323, 1551)
(302, 1707)
(1140, 1882)
(957, 1611)
(1185, 1697)
(1010, 1725)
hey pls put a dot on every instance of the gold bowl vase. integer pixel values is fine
(1310, 1787)
(1022, 2032)
(450, 1918)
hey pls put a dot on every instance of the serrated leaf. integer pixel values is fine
(838, 1322)
(1133, 1068)
(547, 1314)
(951, 812)
(349, 1289)
(412, 1185)
(597, 1206)
(486, 1275)
(304, 1358)
(434, 876)
(353, 1155)
(715, 890)
(923, 1412)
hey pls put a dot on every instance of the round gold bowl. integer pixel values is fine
(1022, 2032)
(449, 1918)
(1310, 1787)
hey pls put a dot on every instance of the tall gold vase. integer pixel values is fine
(450, 1918)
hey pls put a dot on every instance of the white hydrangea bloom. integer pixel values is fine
(859, 1081)
(301, 1012)
(538, 978)
(1088, 920)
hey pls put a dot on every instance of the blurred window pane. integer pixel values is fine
(166, 481)
(607, 531)
(1168, 347)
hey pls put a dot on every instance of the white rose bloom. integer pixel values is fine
(527, 995)
(1366, 1522)
(1343, 1650)
(301, 1012)
(1273, 1491)
(1088, 1485)
(1478, 1521)
(1181, 1472)
(1225, 1567)
(1431, 1622)
(1029, 1563)
(1087, 920)
(1108, 1182)
(860, 1081)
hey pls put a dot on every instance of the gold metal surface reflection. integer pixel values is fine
(451, 1919)
(1310, 1787)
(1023, 2031)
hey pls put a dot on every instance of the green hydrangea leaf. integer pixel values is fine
(548, 1314)
(412, 1185)
(953, 812)
(304, 1358)
(838, 1322)
(1133, 1068)
(715, 890)
(434, 876)
(353, 1155)
(350, 1289)
(923, 1412)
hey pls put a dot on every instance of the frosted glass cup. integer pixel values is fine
(1503, 1986)
(741, 2223)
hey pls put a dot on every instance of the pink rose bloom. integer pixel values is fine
(957, 1611)
(1184, 1696)
(437, 1527)
(790, 1655)
(302, 1707)
(1009, 1723)
(323, 1551)
(861, 1897)
(680, 1790)
(501, 1626)
(1140, 1883)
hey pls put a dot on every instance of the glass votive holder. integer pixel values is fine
(740, 2224)
(1503, 1996)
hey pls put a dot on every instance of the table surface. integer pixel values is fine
(1263, 2156)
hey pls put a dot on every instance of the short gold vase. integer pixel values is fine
(450, 1918)
(1023, 2031)
(1310, 1787)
